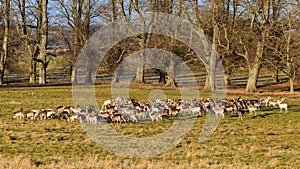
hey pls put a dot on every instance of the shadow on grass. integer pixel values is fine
(264, 115)
(295, 110)
(251, 115)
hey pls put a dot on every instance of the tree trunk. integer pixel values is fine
(139, 76)
(170, 81)
(253, 76)
(1, 74)
(32, 73)
(76, 37)
(170, 75)
(207, 83)
(73, 75)
(42, 74)
(162, 77)
(88, 78)
(43, 42)
(254, 70)
(2, 68)
(291, 79)
(4, 51)
(275, 76)
(228, 79)
(116, 77)
(210, 80)
(291, 70)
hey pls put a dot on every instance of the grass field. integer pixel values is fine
(269, 140)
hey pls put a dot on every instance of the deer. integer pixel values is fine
(76, 110)
(19, 114)
(275, 102)
(266, 101)
(105, 104)
(283, 106)
(252, 109)
(73, 118)
(30, 115)
(117, 118)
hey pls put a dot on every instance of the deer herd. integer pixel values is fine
(122, 110)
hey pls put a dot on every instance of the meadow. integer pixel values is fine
(268, 140)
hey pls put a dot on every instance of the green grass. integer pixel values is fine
(269, 140)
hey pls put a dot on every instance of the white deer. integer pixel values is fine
(106, 103)
(283, 106)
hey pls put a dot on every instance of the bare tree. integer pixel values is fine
(253, 38)
(210, 78)
(210, 61)
(168, 5)
(289, 58)
(226, 24)
(32, 28)
(143, 43)
(78, 14)
(284, 43)
(43, 36)
(25, 25)
(292, 41)
(6, 22)
(81, 26)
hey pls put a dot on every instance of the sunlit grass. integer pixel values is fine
(269, 140)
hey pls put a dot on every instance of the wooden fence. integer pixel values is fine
(149, 77)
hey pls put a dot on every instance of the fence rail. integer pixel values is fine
(149, 77)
